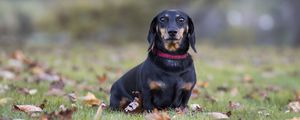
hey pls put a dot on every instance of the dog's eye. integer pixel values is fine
(180, 19)
(163, 19)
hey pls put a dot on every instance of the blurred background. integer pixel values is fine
(219, 22)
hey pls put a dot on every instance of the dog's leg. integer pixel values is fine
(185, 98)
(147, 103)
(178, 98)
(182, 95)
(114, 103)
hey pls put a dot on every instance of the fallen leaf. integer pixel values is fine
(273, 88)
(234, 105)
(195, 93)
(91, 100)
(196, 108)
(202, 84)
(57, 84)
(102, 78)
(156, 115)
(55, 92)
(31, 110)
(218, 115)
(27, 91)
(18, 55)
(234, 91)
(5, 74)
(247, 79)
(63, 114)
(56, 88)
(48, 77)
(37, 70)
(209, 98)
(293, 106)
(223, 89)
(72, 97)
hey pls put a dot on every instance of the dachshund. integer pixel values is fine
(167, 76)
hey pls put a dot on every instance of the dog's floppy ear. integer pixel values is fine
(152, 33)
(191, 34)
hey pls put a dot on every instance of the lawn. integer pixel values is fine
(259, 81)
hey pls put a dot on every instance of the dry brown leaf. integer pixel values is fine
(234, 105)
(203, 84)
(156, 115)
(234, 91)
(63, 114)
(102, 78)
(56, 88)
(5, 74)
(247, 79)
(37, 70)
(209, 98)
(27, 91)
(48, 77)
(91, 100)
(57, 85)
(18, 55)
(293, 106)
(218, 115)
(196, 108)
(72, 97)
(195, 93)
(55, 92)
(31, 110)
(223, 88)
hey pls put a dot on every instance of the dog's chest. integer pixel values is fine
(164, 90)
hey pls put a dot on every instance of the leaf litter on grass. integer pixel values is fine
(40, 72)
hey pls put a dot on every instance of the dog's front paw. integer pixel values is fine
(148, 108)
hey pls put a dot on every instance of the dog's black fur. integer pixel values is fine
(162, 82)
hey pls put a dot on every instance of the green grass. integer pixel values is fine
(219, 66)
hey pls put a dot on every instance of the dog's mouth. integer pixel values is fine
(172, 45)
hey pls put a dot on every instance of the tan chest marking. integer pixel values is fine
(187, 86)
(156, 85)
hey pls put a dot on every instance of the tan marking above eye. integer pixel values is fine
(187, 86)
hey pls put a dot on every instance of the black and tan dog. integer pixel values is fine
(166, 78)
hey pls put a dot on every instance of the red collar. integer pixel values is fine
(169, 56)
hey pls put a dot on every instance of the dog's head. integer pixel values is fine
(172, 31)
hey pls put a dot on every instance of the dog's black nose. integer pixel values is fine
(172, 33)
